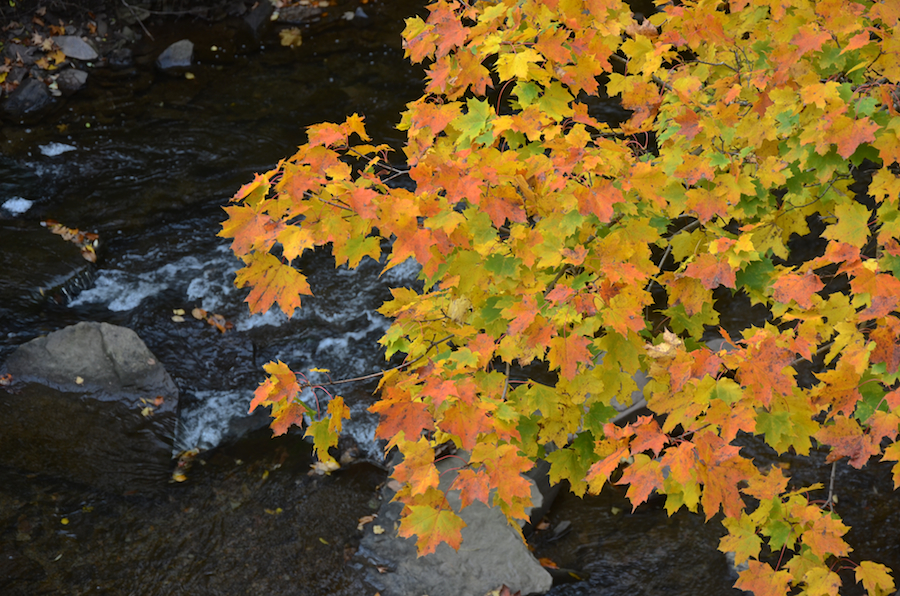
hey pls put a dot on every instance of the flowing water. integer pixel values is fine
(147, 160)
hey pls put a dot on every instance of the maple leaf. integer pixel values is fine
(799, 288)
(643, 476)
(742, 539)
(417, 468)
(875, 578)
(824, 538)
(271, 281)
(648, 436)
(465, 421)
(566, 352)
(762, 580)
(847, 440)
(399, 414)
(473, 485)
(711, 272)
(432, 527)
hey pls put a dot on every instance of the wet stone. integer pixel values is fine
(75, 47)
(121, 58)
(492, 555)
(90, 403)
(29, 97)
(70, 81)
(178, 55)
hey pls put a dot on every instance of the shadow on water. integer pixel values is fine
(249, 520)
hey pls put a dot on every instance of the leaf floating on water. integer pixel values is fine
(87, 242)
(291, 37)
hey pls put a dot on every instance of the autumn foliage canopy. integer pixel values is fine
(548, 236)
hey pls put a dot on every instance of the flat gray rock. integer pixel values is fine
(492, 554)
(75, 47)
(90, 403)
(106, 358)
(178, 55)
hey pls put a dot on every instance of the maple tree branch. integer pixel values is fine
(653, 78)
(505, 384)
(829, 502)
(309, 385)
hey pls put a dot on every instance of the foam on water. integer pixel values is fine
(17, 205)
(344, 326)
(54, 149)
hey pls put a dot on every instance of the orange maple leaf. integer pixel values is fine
(711, 272)
(566, 352)
(799, 288)
(643, 477)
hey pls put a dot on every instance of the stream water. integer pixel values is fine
(147, 160)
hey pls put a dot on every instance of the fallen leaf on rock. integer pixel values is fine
(323, 468)
(79, 381)
(366, 519)
(198, 313)
(377, 530)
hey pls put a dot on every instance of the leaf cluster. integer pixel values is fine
(545, 235)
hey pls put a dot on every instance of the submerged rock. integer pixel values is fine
(90, 403)
(178, 55)
(492, 554)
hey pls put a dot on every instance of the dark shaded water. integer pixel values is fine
(150, 173)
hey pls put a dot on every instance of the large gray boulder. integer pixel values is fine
(492, 553)
(92, 404)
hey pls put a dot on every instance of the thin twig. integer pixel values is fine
(138, 19)
(829, 502)
(380, 373)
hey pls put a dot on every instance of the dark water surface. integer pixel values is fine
(154, 158)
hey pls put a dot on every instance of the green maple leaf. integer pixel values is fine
(474, 122)
(432, 527)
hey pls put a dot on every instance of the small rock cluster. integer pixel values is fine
(47, 57)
